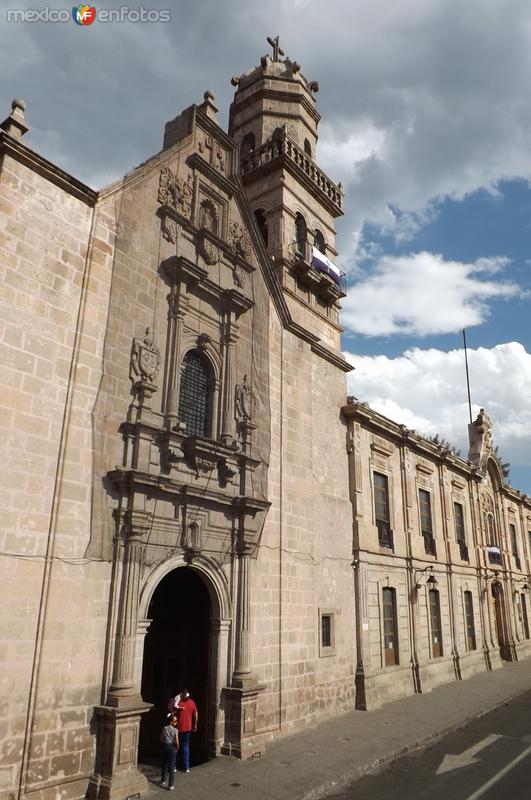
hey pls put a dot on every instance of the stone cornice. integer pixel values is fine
(129, 481)
(270, 93)
(385, 427)
(196, 162)
(36, 163)
(180, 268)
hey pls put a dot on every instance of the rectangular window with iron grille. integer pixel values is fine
(327, 632)
(525, 620)
(435, 624)
(381, 510)
(459, 521)
(426, 522)
(514, 545)
(390, 626)
(469, 618)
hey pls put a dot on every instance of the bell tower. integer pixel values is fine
(274, 120)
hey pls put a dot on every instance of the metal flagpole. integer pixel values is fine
(467, 377)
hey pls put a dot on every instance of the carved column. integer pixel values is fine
(176, 313)
(241, 698)
(228, 428)
(123, 680)
(242, 676)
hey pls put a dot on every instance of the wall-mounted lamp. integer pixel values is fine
(431, 580)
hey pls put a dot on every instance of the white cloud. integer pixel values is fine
(426, 390)
(423, 294)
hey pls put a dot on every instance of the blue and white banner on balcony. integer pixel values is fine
(323, 264)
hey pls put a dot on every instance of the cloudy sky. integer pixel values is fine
(426, 121)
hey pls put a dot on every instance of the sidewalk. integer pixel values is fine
(310, 765)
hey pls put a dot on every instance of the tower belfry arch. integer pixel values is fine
(274, 106)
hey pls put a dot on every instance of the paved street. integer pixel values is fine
(327, 758)
(489, 759)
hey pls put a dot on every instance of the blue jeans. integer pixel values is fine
(169, 754)
(184, 747)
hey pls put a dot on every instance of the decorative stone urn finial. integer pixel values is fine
(15, 124)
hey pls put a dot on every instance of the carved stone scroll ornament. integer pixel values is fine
(169, 229)
(207, 249)
(241, 279)
(176, 192)
(217, 154)
(239, 240)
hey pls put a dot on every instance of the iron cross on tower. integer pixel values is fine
(277, 51)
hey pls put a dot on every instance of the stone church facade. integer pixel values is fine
(187, 496)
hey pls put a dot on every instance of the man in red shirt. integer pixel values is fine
(187, 718)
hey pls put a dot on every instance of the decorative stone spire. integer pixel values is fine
(15, 124)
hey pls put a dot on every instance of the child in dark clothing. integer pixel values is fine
(170, 744)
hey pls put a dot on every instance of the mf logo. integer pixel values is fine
(84, 15)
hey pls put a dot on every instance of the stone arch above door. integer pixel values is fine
(209, 570)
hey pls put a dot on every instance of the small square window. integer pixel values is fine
(326, 630)
(327, 642)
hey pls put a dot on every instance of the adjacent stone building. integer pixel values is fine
(186, 496)
(442, 558)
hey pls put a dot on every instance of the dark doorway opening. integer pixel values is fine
(499, 612)
(176, 654)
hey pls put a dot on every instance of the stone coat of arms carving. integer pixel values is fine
(145, 360)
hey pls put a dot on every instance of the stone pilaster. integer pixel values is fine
(116, 774)
(228, 431)
(242, 675)
(123, 680)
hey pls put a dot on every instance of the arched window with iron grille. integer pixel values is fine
(196, 391)
(319, 242)
(248, 144)
(301, 234)
(261, 219)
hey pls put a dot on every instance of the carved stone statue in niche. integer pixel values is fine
(219, 162)
(193, 543)
(208, 218)
(245, 401)
(484, 426)
(144, 366)
(480, 437)
(208, 224)
(244, 408)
